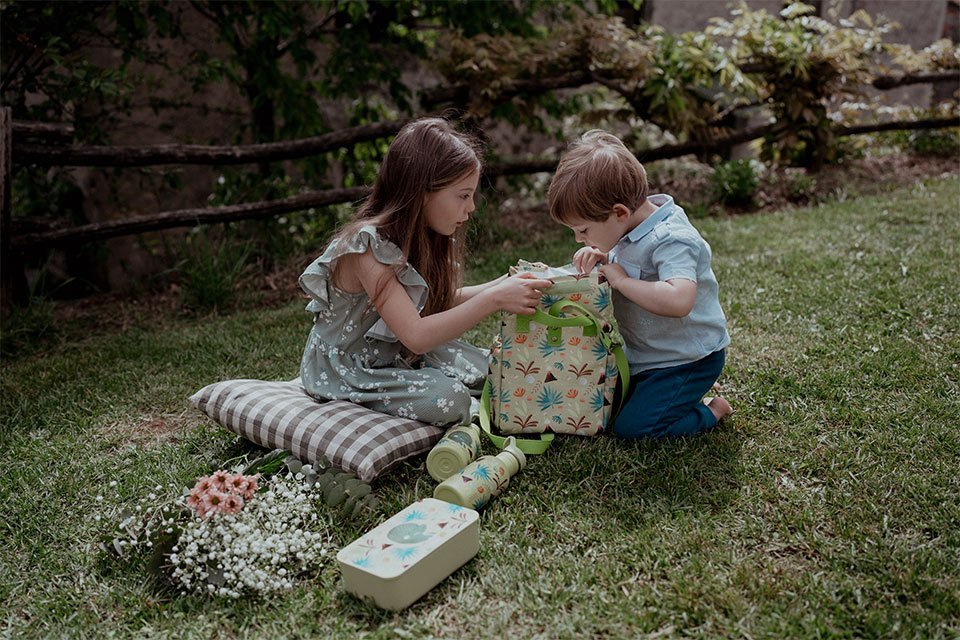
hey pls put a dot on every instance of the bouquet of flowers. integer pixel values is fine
(241, 532)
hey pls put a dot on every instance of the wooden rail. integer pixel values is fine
(54, 150)
(521, 166)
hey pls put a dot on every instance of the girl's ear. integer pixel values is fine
(621, 211)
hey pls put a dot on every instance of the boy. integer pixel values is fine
(665, 293)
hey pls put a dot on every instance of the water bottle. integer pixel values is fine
(456, 449)
(475, 484)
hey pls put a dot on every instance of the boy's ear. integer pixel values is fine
(621, 210)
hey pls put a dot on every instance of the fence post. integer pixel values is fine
(5, 169)
(12, 286)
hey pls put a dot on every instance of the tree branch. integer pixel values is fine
(59, 132)
(182, 218)
(541, 165)
(933, 123)
(193, 217)
(140, 156)
(891, 82)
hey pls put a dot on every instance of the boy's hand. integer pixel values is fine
(586, 258)
(614, 274)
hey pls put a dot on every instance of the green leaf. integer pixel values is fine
(359, 490)
(370, 502)
(325, 480)
(293, 464)
(334, 495)
(267, 464)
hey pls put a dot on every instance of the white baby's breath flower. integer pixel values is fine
(258, 548)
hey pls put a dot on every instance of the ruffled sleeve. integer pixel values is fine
(316, 279)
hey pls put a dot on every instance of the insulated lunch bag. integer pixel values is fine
(555, 371)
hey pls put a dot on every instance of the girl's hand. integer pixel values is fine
(520, 294)
(614, 274)
(586, 258)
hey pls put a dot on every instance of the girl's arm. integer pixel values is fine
(421, 334)
(670, 298)
(465, 293)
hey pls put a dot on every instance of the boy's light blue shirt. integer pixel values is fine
(663, 247)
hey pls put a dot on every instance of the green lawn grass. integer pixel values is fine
(828, 505)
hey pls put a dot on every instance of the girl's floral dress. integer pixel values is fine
(352, 355)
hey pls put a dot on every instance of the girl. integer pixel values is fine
(386, 293)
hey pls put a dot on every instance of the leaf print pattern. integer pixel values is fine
(549, 398)
(602, 301)
(565, 385)
(405, 553)
(583, 371)
(547, 349)
(596, 400)
(526, 423)
(482, 472)
(528, 368)
(599, 352)
(547, 300)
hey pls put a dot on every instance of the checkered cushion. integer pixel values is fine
(280, 415)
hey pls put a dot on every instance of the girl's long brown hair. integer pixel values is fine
(427, 155)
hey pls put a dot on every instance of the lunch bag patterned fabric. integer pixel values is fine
(556, 370)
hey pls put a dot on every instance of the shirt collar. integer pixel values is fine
(664, 209)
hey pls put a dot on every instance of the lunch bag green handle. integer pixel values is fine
(555, 324)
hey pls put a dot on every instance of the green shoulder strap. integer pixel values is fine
(527, 445)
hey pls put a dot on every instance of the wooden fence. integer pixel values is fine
(19, 144)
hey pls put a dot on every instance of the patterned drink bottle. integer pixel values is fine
(456, 449)
(482, 479)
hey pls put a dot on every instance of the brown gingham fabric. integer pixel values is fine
(280, 415)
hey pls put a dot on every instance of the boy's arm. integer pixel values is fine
(671, 298)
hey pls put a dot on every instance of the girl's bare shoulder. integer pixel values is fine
(354, 268)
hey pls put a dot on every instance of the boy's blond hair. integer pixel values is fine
(596, 172)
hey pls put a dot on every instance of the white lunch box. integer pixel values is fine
(401, 559)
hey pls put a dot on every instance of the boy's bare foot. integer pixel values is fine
(720, 408)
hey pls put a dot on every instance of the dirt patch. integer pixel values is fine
(785, 188)
(148, 432)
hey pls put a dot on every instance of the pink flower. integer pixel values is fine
(219, 479)
(203, 484)
(231, 504)
(250, 489)
(195, 499)
(212, 502)
(237, 484)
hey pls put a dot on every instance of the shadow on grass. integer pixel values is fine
(634, 481)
